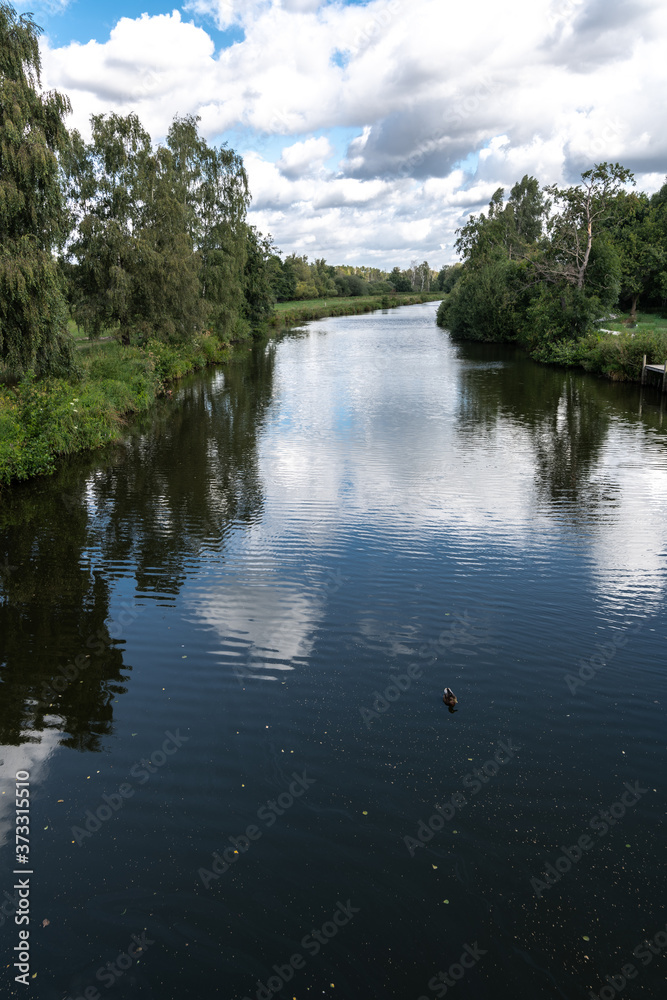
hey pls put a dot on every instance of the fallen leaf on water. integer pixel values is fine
(365, 813)
(45, 922)
(434, 866)
(61, 800)
(586, 937)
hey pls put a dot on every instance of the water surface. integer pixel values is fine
(267, 587)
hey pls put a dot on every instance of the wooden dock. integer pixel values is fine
(653, 372)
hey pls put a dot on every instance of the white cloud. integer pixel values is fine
(430, 88)
(303, 159)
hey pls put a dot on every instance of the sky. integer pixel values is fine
(370, 131)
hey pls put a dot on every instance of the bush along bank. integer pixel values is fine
(295, 313)
(43, 419)
(618, 357)
(544, 268)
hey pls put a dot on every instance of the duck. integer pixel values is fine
(449, 699)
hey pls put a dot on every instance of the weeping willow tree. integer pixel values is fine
(33, 219)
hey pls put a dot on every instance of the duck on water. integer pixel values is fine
(450, 699)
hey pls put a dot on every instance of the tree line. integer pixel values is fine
(299, 279)
(545, 266)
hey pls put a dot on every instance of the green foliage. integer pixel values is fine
(447, 278)
(558, 312)
(295, 313)
(33, 221)
(568, 353)
(137, 268)
(258, 272)
(621, 357)
(483, 303)
(549, 287)
(400, 280)
(508, 229)
(160, 239)
(42, 419)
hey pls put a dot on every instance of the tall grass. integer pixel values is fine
(293, 313)
(41, 420)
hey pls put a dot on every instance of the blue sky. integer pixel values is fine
(370, 130)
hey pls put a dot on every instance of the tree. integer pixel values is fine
(105, 192)
(400, 280)
(637, 235)
(509, 230)
(527, 207)
(448, 275)
(258, 290)
(33, 218)
(583, 210)
(160, 233)
(213, 188)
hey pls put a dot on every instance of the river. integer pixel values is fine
(223, 647)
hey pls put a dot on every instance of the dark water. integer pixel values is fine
(210, 617)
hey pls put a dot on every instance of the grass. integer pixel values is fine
(42, 420)
(646, 323)
(293, 313)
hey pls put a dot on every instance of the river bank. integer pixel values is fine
(293, 313)
(615, 352)
(41, 421)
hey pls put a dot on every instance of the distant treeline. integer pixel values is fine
(545, 267)
(294, 278)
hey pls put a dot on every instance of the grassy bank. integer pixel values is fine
(616, 355)
(42, 420)
(294, 313)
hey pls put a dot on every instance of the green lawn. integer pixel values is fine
(645, 322)
(354, 300)
(339, 301)
(75, 332)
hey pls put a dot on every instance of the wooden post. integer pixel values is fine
(664, 378)
(644, 371)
